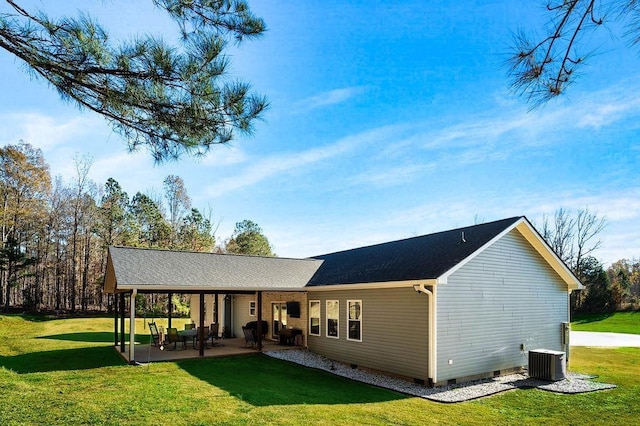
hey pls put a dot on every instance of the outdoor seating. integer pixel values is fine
(153, 329)
(172, 337)
(214, 332)
(288, 336)
(249, 337)
(252, 328)
(185, 335)
(205, 337)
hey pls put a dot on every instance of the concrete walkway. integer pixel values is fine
(610, 340)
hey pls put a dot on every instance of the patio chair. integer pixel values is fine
(249, 337)
(205, 338)
(153, 329)
(213, 332)
(172, 337)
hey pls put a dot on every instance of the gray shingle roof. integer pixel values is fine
(418, 258)
(178, 270)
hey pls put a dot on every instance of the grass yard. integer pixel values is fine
(66, 372)
(618, 322)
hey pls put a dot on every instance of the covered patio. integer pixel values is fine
(146, 353)
(134, 270)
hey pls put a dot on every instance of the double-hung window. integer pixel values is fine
(354, 320)
(333, 312)
(314, 317)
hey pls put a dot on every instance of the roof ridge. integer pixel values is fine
(159, 249)
(511, 220)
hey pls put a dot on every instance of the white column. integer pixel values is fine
(132, 326)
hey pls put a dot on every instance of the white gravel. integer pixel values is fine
(574, 383)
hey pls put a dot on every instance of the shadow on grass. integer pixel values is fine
(62, 360)
(588, 318)
(95, 337)
(263, 381)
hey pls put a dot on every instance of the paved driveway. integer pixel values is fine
(588, 338)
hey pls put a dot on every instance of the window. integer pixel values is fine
(252, 309)
(333, 310)
(354, 320)
(314, 317)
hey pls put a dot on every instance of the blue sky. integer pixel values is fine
(386, 121)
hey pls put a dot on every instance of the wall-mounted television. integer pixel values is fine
(293, 309)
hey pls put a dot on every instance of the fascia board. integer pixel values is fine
(370, 286)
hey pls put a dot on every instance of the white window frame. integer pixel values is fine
(252, 308)
(337, 318)
(349, 319)
(319, 333)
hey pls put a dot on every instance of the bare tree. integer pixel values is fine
(573, 237)
(179, 202)
(82, 165)
(559, 234)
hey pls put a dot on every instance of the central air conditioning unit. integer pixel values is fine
(547, 365)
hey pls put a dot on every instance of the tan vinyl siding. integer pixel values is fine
(268, 297)
(241, 305)
(395, 332)
(505, 297)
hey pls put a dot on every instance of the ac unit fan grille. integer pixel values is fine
(547, 365)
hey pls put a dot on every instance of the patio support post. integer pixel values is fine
(122, 307)
(201, 328)
(170, 296)
(259, 325)
(115, 319)
(132, 327)
(215, 310)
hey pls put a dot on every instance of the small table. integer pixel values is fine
(187, 334)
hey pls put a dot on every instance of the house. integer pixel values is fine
(438, 308)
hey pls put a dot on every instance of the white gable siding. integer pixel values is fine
(505, 297)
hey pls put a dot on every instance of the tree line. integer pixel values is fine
(55, 234)
(574, 238)
(55, 237)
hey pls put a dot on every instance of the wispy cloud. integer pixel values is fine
(331, 97)
(257, 170)
(43, 131)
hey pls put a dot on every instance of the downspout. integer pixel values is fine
(433, 341)
(132, 327)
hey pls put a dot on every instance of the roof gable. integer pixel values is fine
(418, 258)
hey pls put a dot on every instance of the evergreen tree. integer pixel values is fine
(543, 67)
(598, 294)
(169, 98)
(196, 233)
(248, 238)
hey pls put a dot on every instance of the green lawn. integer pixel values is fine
(65, 372)
(618, 322)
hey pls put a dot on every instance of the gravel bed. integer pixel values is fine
(574, 383)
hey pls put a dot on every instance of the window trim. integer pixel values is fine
(319, 333)
(349, 320)
(337, 336)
